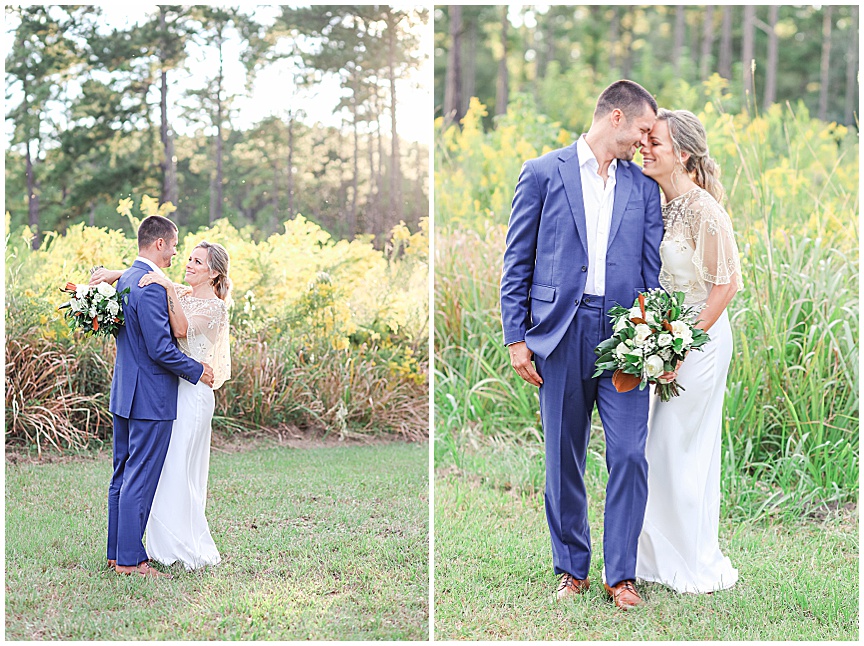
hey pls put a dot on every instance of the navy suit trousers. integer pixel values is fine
(567, 399)
(140, 447)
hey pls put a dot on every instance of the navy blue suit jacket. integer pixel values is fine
(148, 361)
(545, 263)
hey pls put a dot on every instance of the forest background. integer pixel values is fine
(322, 203)
(512, 83)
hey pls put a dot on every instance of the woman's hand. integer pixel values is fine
(103, 275)
(672, 375)
(152, 277)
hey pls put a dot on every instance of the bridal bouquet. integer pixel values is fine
(96, 309)
(649, 339)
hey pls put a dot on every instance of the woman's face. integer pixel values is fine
(197, 271)
(658, 157)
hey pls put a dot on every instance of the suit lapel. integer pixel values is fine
(623, 188)
(572, 178)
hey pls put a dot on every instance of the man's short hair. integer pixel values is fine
(628, 96)
(154, 227)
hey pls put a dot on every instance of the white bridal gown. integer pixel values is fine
(678, 546)
(177, 528)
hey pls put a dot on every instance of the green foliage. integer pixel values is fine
(791, 408)
(325, 334)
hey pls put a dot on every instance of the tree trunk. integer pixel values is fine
(614, 45)
(352, 215)
(382, 173)
(468, 73)
(274, 196)
(707, 43)
(419, 203)
(724, 67)
(371, 207)
(291, 213)
(216, 214)
(501, 95)
(453, 80)
(169, 163)
(747, 47)
(678, 44)
(851, 70)
(92, 219)
(825, 67)
(32, 198)
(771, 62)
(395, 171)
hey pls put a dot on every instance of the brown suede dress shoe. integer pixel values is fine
(569, 585)
(142, 569)
(112, 563)
(624, 594)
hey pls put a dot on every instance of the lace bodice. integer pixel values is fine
(207, 336)
(698, 248)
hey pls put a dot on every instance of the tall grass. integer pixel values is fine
(325, 335)
(790, 431)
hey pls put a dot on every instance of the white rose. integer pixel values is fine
(106, 289)
(113, 308)
(621, 350)
(92, 312)
(635, 352)
(81, 291)
(682, 331)
(654, 366)
(635, 312)
(664, 340)
(621, 324)
(650, 318)
(642, 334)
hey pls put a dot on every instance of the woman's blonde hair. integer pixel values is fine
(218, 261)
(688, 135)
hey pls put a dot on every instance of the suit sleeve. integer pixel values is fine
(520, 255)
(653, 236)
(153, 318)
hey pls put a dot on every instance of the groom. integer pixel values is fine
(144, 397)
(584, 234)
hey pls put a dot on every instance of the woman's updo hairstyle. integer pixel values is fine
(217, 260)
(688, 135)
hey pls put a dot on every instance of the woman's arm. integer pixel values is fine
(103, 275)
(176, 317)
(718, 299)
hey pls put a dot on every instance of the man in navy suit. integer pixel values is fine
(584, 234)
(144, 397)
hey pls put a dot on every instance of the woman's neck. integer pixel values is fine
(203, 290)
(677, 189)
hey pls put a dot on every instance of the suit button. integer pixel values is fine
(584, 268)
(577, 302)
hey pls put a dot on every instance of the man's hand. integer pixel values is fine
(520, 359)
(207, 377)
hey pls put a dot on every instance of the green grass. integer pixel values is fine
(494, 579)
(321, 544)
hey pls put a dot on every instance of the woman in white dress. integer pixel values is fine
(177, 528)
(679, 546)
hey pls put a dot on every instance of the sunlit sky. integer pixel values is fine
(273, 92)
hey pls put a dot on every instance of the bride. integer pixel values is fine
(177, 529)
(679, 546)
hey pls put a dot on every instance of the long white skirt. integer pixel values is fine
(177, 529)
(678, 546)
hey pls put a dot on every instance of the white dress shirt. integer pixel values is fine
(598, 198)
(153, 266)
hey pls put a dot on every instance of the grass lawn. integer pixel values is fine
(493, 567)
(319, 543)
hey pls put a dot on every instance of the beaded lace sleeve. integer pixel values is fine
(716, 255)
(207, 336)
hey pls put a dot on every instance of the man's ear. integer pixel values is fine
(615, 117)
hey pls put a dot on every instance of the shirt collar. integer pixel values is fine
(586, 156)
(150, 264)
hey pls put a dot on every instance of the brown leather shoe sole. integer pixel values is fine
(624, 595)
